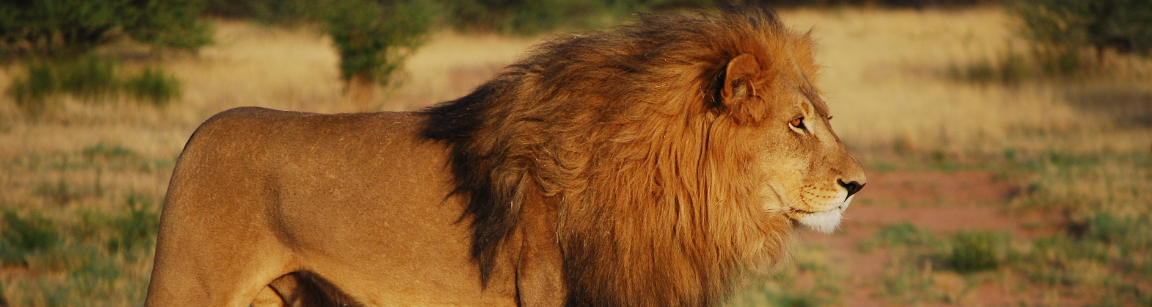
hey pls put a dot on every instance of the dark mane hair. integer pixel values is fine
(625, 129)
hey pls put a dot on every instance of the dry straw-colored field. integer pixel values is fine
(85, 179)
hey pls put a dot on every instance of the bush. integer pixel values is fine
(374, 37)
(90, 79)
(69, 28)
(531, 17)
(136, 228)
(167, 23)
(285, 12)
(23, 235)
(1060, 28)
(155, 86)
(974, 251)
(31, 91)
(1010, 68)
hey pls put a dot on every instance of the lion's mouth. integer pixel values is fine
(803, 211)
(824, 221)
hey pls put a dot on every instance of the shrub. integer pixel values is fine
(1126, 233)
(1010, 68)
(1060, 28)
(974, 251)
(374, 37)
(155, 86)
(31, 91)
(23, 235)
(167, 23)
(903, 233)
(531, 17)
(269, 11)
(69, 28)
(136, 228)
(90, 79)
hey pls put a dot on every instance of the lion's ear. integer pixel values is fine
(738, 79)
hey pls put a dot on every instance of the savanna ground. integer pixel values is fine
(1033, 192)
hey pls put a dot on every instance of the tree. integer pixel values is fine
(1062, 27)
(374, 37)
(69, 28)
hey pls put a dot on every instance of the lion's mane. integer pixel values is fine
(651, 174)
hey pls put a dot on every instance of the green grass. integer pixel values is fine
(975, 251)
(134, 228)
(809, 280)
(90, 79)
(95, 260)
(85, 232)
(153, 85)
(26, 235)
(1098, 247)
(902, 234)
(1010, 68)
(32, 90)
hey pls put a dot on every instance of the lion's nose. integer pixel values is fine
(852, 187)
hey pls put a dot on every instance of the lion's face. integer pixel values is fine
(812, 178)
(809, 176)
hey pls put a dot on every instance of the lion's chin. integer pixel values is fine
(824, 221)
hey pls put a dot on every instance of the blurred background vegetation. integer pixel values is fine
(374, 37)
(1047, 100)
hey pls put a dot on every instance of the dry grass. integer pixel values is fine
(883, 80)
(80, 163)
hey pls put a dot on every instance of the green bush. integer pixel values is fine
(135, 228)
(374, 37)
(285, 12)
(155, 86)
(904, 233)
(534, 16)
(1010, 68)
(167, 23)
(23, 235)
(31, 91)
(1126, 233)
(1061, 28)
(69, 28)
(974, 251)
(90, 79)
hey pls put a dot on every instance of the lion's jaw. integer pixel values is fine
(821, 213)
(822, 221)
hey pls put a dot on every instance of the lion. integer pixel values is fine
(655, 164)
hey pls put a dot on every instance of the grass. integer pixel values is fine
(91, 173)
(91, 79)
(1009, 69)
(975, 252)
(25, 235)
(809, 280)
(154, 86)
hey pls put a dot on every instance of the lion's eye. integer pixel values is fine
(798, 123)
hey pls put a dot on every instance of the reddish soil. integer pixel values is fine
(941, 202)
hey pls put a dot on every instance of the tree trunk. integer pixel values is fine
(362, 92)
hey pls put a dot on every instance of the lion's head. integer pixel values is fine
(676, 152)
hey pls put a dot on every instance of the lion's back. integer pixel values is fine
(300, 189)
(314, 178)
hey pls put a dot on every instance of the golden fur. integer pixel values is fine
(644, 166)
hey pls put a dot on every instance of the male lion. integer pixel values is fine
(645, 166)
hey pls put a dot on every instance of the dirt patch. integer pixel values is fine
(925, 188)
(941, 202)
